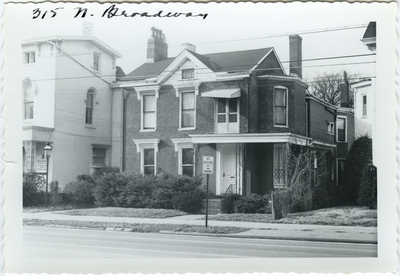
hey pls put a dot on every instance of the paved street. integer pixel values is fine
(75, 243)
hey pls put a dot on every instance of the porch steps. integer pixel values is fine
(214, 206)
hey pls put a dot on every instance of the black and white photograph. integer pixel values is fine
(199, 137)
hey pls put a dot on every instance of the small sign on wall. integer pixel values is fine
(208, 164)
(41, 165)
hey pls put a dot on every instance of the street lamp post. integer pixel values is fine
(47, 151)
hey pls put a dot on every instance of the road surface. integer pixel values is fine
(78, 243)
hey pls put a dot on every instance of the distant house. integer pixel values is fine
(365, 92)
(240, 107)
(67, 102)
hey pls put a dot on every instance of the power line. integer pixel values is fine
(231, 71)
(288, 34)
(333, 29)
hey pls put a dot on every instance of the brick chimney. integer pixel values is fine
(344, 91)
(295, 59)
(157, 47)
(188, 46)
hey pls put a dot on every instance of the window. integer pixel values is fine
(341, 129)
(99, 157)
(147, 150)
(330, 127)
(89, 106)
(280, 106)
(149, 164)
(188, 108)
(28, 106)
(149, 112)
(279, 166)
(29, 93)
(228, 115)
(96, 61)
(187, 161)
(364, 106)
(29, 57)
(188, 73)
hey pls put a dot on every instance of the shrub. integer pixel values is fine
(101, 171)
(252, 204)
(228, 202)
(281, 203)
(187, 194)
(81, 191)
(138, 191)
(367, 194)
(32, 189)
(360, 155)
(110, 190)
(164, 191)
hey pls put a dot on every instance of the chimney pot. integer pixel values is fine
(344, 91)
(295, 53)
(157, 48)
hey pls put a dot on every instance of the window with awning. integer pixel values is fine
(223, 93)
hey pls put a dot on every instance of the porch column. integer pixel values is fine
(30, 153)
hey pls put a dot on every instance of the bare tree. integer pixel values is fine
(327, 87)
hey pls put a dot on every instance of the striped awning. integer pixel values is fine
(222, 93)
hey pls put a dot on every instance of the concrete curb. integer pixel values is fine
(168, 232)
(270, 237)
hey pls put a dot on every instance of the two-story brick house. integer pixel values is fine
(240, 107)
(66, 102)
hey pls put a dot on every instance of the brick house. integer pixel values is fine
(239, 107)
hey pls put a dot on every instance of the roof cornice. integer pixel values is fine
(91, 39)
(285, 78)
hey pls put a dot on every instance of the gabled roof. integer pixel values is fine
(371, 30)
(119, 73)
(91, 39)
(237, 61)
(148, 70)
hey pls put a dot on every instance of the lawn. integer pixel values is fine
(124, 212)
(338, 216)
(135, 227)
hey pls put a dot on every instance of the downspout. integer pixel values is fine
(248, 104)
(125, 96)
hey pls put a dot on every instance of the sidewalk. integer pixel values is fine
(327, 233)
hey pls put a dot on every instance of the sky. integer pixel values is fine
(227, 27)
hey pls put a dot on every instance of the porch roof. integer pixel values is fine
(222, 93)
(250, 138)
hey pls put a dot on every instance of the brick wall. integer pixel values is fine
(168, 124)
(296, 107)
(319, 116)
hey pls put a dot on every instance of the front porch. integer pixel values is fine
(247, 163)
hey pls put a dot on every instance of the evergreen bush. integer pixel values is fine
(32, 189)
(228, 202)
(252, 204)
(360, 155)
(81, 191)
(367, 194)
(110, 190)
(138, 191)
(187, 194)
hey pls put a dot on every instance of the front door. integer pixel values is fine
(229, 169)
